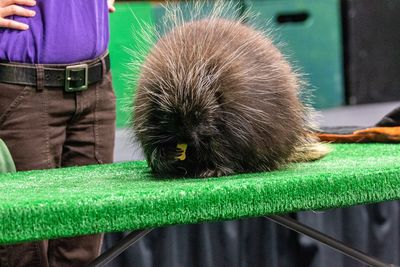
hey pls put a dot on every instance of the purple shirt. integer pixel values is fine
(63, 31)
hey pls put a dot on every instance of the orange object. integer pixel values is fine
(373, 134)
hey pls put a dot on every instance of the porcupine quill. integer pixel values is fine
(216, 97)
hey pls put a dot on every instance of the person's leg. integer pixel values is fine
(89, 140)
(74, 251)
(26, 254)
(34, 141)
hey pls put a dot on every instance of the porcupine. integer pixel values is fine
(216, 97)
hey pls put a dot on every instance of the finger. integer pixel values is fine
(16, 10)
(12, 24)
(5, 3)
(111, 9)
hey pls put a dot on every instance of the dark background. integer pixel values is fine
(372, 50)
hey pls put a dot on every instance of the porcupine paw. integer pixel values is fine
(170, 156)
(215, 172)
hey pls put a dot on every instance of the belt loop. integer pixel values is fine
(103, 67)
(39, 77)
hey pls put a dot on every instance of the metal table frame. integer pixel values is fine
(294, 225)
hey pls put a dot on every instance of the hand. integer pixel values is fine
(111, 7)
(11, 7)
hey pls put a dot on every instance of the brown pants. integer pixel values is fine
(48, 128)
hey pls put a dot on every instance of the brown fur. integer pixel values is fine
(224, 89)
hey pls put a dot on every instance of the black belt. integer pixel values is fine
(71, 77)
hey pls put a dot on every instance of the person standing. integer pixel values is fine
(57, 104)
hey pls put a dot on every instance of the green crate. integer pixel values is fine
(314, 45)
(123, 24)
(186, 7)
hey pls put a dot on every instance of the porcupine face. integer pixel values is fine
(177, 117)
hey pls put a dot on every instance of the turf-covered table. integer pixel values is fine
(106, 198)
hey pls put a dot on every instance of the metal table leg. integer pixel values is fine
(329, 241)
(130, 239)
(118, 248)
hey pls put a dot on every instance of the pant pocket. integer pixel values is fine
(10, 97)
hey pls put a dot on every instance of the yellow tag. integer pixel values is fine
(181, 148)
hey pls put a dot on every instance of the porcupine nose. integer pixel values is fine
(191, 138)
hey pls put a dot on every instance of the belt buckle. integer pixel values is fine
(68, 78)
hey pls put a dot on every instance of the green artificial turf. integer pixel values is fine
(123, 196)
